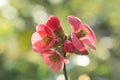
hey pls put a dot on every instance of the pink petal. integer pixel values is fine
(62, 58)
(68, 46)
(53, 40)
(40, 27)
(48, 31)
(57, 66)
(53, 23)
(40, 46)
(45, 55)
(43, 30)
(35, 49)
(91, 34)
(75, 23)
(89, 43)
(65, 60)
(84, 52)
(42, 33)
(46, 47)
(35, 38)
(77, 43)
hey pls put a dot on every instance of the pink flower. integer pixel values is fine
(54, 59)
(54, 23)
(82, 34)
(43, 38)
(68, 46)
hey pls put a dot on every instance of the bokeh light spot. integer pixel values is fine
(84, 77)
(82, 60)
(3, 3)
(60, 77)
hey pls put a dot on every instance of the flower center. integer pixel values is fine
(82, 33)
(47, 39)
(54, 57)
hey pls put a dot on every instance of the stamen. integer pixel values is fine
(82, 33)
(54, 57)
(47, 39)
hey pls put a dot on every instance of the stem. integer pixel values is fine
(65, 72)
(64, 69)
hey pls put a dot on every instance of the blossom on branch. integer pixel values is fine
(68, 46)
(43, 38)
(54, 59)
(54, 23)
(53, 44)
(82, 34)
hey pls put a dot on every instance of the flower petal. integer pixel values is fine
(43, 30)
(35, 49)
(35, 38)
(68, 46)
(57, 66)
(53, 23)
(62, 58)
(84, 52)
(89, 43)
(75, 23)
(65, 60)
(91, 34)
(78, 44)
(40, 27)
(41, 46)
(45, 55)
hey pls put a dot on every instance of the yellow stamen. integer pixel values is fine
(82, 33)
(54, 57)
(47, 39)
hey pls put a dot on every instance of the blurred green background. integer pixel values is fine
(18, 19)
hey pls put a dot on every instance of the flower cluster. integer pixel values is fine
(52, 43)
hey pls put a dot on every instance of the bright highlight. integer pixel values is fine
(60, 77)
(82, 60)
